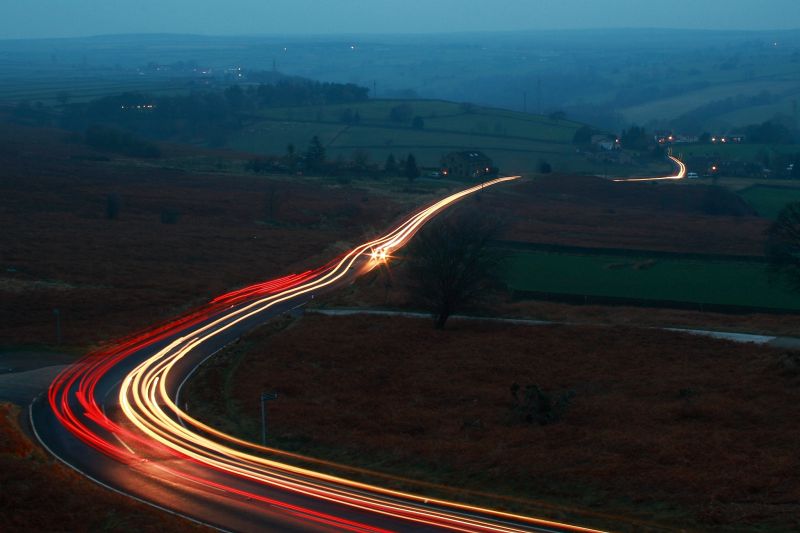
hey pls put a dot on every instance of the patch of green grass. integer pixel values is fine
(700, 281)
(515, 141)
(742, 152)
(770, 200)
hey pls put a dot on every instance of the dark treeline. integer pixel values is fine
(314, 160)
(206, 115)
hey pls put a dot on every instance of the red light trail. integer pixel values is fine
(154, 426)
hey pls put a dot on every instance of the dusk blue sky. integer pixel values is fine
(60, 18)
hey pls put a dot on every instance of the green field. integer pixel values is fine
(741, 152)
(770, 200)
(46, 89)
(675, 106)
(699, 281)
(515, 141)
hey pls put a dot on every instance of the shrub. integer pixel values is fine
(533, 405)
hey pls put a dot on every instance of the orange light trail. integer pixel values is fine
(154, 421)
(681, 174)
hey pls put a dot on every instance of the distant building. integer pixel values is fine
(468, 164)
(731, 138)
(667, 138)
(605, 142)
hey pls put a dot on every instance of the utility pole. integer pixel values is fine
(265, 397)
(57, 313)
(374, 89)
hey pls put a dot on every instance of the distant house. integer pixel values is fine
(605, 142)
(667, 138)
(468, 164)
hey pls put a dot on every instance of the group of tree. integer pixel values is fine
(315, 160)
(770, 132)
(207, 114)
(404, 114)
(401, 113)
(636, 138)
(406, 168)
(583, 135)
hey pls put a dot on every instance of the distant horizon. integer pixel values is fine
(398, 34)
(52, 19)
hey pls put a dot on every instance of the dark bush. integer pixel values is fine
(533, 405)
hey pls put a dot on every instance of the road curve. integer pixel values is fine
(679, 175)
(115, 417)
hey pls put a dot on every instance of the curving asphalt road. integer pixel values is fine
(679, 175)
(115, 417)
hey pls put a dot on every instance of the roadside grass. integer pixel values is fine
(40, 494)
(643, 278)
(652, 438)
(550, 498)
(770, 200)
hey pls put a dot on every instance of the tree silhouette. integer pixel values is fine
(315, 155)
(390, 167)
(635, 138)
(411, 170)
(451, 263)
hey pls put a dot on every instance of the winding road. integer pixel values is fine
(679, 175)
(116, 417)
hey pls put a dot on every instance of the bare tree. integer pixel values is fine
(452, 264)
